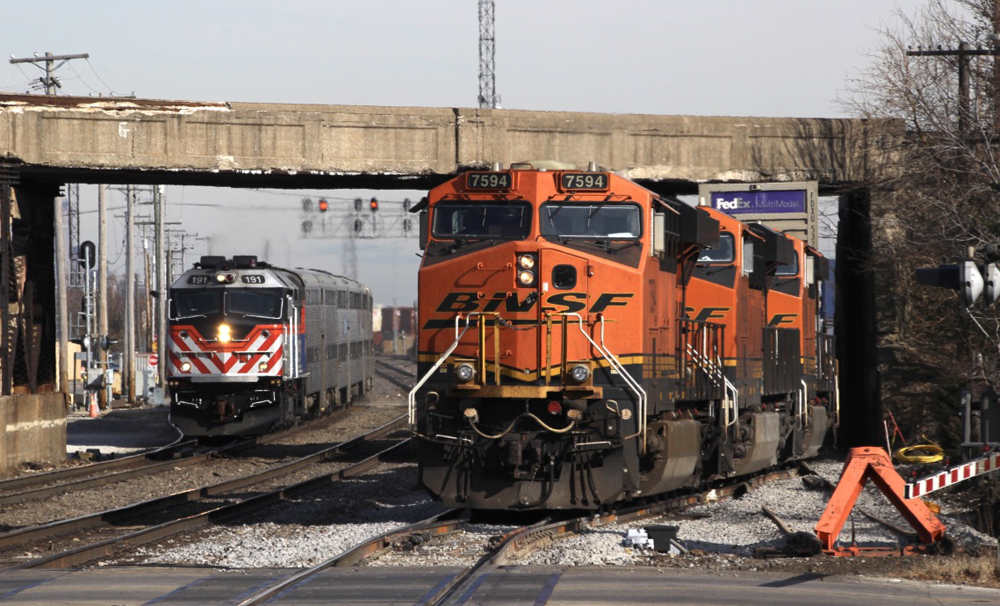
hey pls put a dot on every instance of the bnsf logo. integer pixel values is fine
(707, 314)
(567, 302)
(782, 319)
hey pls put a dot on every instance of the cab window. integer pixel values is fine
(723, 253)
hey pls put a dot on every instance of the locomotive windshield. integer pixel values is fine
(723, 253)
(193, 303)
(256, 303)
(509, 221)
(591, 221)
(253, 302)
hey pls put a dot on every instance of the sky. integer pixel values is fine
(768, 58)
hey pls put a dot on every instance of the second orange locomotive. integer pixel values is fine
(584, 340)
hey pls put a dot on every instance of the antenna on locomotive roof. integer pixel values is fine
(592, 167)
(497, 167)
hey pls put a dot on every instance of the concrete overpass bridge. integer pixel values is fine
(46, 142)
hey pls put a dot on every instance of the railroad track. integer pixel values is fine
(179, 454)
(102, 533)
(400, 377)
(515, 543)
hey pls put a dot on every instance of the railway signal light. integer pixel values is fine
(87, 254)
(991, 278)
(323, 205)
(358, 202)
(307, 204)
(967, 278)
(373, 204)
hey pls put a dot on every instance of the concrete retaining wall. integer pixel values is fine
(34, 430)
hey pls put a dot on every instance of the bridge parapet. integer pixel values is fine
(243, 144)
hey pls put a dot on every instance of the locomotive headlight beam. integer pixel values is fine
(465, 372)
(526, 277)
(185, 367)
(526, 262)
(225, 334)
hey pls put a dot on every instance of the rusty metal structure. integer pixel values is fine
(861, 465)
(27, 284)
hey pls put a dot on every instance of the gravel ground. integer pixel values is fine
(304, 531)
(735, 527)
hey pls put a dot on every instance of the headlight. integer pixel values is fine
(464, 372)
(526, 261)
(262, 367)
(225, 277)
(185, 367)
(225, 333)
(526, 278)
(579, 373)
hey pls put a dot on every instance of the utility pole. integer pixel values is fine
(150, 322)
(964, 52)
(62, 305)
(49, 81)
(488, 97)
(102, 290)
(128, 366)
(161, 290)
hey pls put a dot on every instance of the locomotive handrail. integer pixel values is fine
(411, 400)
(714, 371)
(632, 383)
(805, 407)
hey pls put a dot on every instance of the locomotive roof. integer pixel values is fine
(318, 278)
(274, 277)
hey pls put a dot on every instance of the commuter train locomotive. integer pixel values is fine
(584, 340)
(253, 347)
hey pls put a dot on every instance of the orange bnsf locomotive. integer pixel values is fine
(584, 340)
(253, 347)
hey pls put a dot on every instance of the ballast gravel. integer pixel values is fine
(266, 545)
(720, 534)
(737, 526)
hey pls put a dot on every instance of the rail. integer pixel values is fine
(118, 516)
(442, 523)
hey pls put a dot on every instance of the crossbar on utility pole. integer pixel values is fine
(49, 80)
(963, 52)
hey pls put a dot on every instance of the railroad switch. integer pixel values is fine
(872, 463)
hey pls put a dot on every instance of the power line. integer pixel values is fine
(49, 80)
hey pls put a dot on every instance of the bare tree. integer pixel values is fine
(932, 96)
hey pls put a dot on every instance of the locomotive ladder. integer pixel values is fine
(632, 384)
(697, 349)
